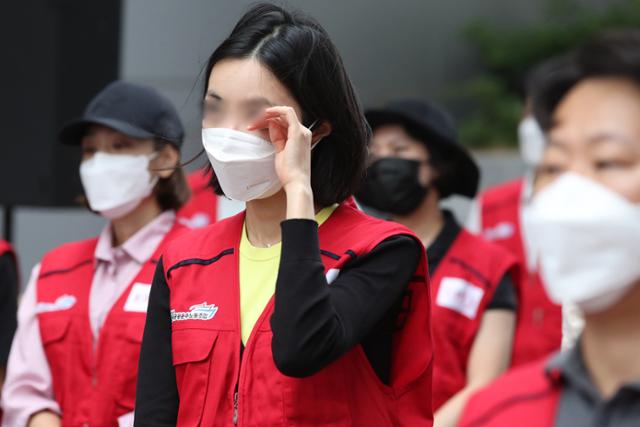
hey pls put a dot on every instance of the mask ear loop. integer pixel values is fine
(310, 127)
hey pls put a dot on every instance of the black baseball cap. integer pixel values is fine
(135, 110)
(436, 129)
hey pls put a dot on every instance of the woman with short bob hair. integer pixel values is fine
(301, 310)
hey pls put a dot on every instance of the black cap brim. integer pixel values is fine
(72, 132)
(468, 175)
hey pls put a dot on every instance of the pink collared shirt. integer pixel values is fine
(28, 386)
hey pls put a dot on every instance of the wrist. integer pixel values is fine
(299, 201)
(298, 187)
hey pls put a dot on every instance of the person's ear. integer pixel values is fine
(166, 161)
(320, 131)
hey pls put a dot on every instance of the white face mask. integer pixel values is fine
(531, 141)
(244, 164)
(586, 238)
(115, 184)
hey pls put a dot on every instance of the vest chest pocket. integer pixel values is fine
(53, 329)
(54, 332)
(192, 359)
(461, 302)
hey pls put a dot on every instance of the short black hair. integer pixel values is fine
(613, 53)
(298, 51)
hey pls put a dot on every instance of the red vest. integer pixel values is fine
(93, 386)
(539, 328)
(219, 386)
(462, 285)
(525, 397)
(5, 247)
(202, 207)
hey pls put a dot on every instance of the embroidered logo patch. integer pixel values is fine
(201, 311)
(138, 298)
(460, 296)
(501, 231)
(63, 302)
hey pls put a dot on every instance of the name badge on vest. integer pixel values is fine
(460, 296)
(138, 298)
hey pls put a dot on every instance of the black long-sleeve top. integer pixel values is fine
(313, 324)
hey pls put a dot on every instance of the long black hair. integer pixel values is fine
(298, 51)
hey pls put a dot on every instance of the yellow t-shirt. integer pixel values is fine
(258, 275)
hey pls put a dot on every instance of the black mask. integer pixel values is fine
(392, 186)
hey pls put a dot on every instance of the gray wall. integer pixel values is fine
(391, 49)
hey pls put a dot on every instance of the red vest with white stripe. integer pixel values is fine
(462, 285)
(525, 397)
(539, 328)
(93, 385)
(219, 386)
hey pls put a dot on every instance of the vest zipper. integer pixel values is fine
(236, 394)
(235, 407)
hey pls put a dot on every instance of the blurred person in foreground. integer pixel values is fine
(584, 220)
(416, 162)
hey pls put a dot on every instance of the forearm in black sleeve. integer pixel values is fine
(157, 393)
(314, 323)
(8, 304)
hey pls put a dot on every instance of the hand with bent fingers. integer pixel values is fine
(292, 141)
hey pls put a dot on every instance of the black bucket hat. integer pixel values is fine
(135, 110)
(435, 128)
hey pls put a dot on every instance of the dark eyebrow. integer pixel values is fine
(259, 101)
(212, 94)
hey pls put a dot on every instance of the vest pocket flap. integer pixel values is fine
(192, 345)
(54, 329)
